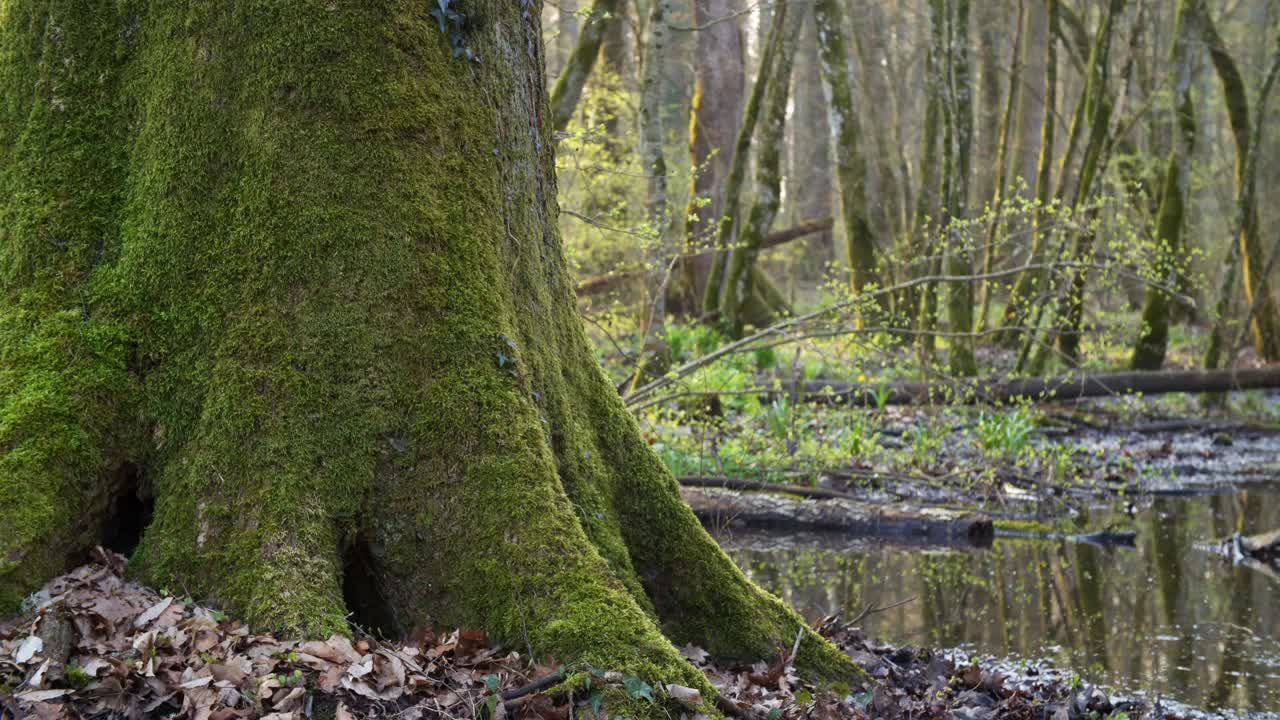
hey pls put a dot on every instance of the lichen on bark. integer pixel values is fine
(299, 266)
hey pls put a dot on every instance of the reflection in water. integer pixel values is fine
(1164, 617)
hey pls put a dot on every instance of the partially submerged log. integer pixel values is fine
(720, 508)
(1264, 548)
(1039, 389)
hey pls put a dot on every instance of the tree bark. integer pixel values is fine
(1153, 338)
(567, 35)
(1265, 327)
(996, 222)
(1097, 106)
(960, 125)
(292, 271)
(727, 228)
(739, 287)
(714, 115)
(605, 16)
(658, 249)
(809, 184)
(922, 304)
(851, 166)
(1030, 282)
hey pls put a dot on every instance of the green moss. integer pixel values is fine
(332, 293)
(67, 417)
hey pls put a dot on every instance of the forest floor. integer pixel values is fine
(95, 645)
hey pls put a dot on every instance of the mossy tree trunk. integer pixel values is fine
(1265, 326)
(851, 166)
(605, 16)
(996, 222)
(1153, 337)
(295, 268)
(922, 304)
(958, 158)
(1097, 106)
(741, 271)
(728, 222)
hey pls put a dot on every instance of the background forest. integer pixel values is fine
(787, 222)
(1086, 165)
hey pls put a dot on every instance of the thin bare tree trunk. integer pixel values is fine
(739, 281)
(659, 251)
(714, 117)
(1153, 340)
(809, 183)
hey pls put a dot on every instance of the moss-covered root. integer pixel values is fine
(67, 421)
(64, 395)
(697, 591)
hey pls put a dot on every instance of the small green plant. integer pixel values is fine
(859, 438)
(1005, 434)
(77, 677)
(926, 441)
(778, 417)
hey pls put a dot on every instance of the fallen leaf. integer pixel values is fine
(28, 649)
(684, 695)
(35, 696)
(152, 613)
(694, 654)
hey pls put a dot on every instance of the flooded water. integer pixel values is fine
(1163, 617)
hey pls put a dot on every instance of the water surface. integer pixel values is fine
(1164, 617)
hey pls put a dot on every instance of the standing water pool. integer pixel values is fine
(1164, 618)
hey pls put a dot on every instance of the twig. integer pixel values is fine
(533, 687)
(873, 609)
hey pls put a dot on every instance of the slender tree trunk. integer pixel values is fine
(997, 223)
(726, 232)
(1265, 327)
(875, 86)
(1153, 338)
(993, 22)
(1032, 114)
(1097, 105)
(924, 304)
(739, 282)
(659, 250)
(568, 27)
(714, 115)
(605, 15)
(308, 297)
(960, 125)
(811, 192)
(851, 166)
(1029, 283)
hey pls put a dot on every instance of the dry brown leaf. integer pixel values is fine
(152, 613)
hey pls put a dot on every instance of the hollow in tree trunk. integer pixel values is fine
(291, 272)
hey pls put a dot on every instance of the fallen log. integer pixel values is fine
(719, 509)
(1262, 548)
(611, 281)
(804, 491)
(1038, 389)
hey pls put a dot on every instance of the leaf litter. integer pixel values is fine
(92, 644)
